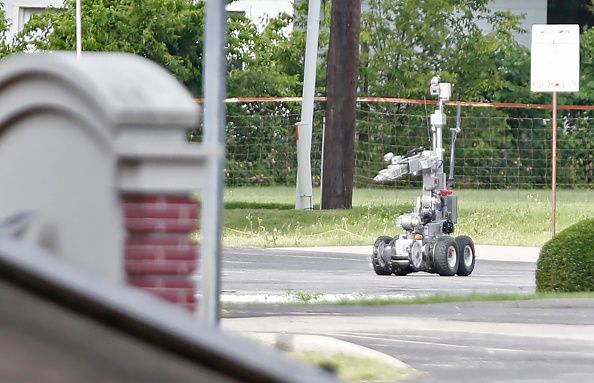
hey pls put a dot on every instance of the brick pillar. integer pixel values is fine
(159, 255)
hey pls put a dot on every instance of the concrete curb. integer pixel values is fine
(323, 344)
(335, 325)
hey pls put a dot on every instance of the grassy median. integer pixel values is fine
(353, 369)
(265, 217)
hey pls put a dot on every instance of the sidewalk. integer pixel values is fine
(485, 252)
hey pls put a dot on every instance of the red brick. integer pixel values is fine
(158, 255)
(158, 211)
(161, 282)
(134, 267)
(160, 225)
(136, 251)
(141, 198)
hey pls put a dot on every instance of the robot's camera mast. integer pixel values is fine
(426, 244)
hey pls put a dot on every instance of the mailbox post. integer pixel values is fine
(95, 148)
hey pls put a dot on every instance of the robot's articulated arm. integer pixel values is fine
(409, 164)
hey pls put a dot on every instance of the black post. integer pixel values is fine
(339, 137)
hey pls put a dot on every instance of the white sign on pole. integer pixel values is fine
(555, 61)
(555, 67)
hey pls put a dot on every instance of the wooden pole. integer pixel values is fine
(339, 137)
(554, 170)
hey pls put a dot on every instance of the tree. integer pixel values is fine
(169, 32)
(570, 12)
(408, 42)
(586, 94)
(4, 46)
(262, 62)
(269, 62)
(265, 63)
(343, 61)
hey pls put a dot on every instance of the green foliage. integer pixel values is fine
(586, 94)
(303, 297)
(168, 32)
(261, 144)
(570, 12)
(269, 62)
(566, 262)
(575, 135)
(265, 63)
(515, 64)
(350, 368)
(4, 46)
(405, 43)
(474, 297)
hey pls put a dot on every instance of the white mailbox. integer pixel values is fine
(82, 141)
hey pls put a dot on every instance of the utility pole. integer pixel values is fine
(303, 199)
(339, 135)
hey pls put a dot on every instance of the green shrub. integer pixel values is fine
(566, 262)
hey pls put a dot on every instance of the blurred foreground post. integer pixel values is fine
(214, 135)
(78, 28)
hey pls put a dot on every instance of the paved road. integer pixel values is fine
(521, 341)
(280, 275)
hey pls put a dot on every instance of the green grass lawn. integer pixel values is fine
(354, 369)
(265, 217)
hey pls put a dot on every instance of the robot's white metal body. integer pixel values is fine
(421, 245)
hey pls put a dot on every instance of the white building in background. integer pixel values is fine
(534, 12)
(18, 12)
(260, 10)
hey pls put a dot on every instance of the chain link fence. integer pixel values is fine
(498, 148)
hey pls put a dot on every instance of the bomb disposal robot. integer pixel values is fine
(426, 244)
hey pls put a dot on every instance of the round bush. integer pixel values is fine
(566, 262)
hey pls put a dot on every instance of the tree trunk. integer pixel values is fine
(339, 137)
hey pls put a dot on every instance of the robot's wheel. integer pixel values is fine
(445, 256)
(379, 265)
(466, 254)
